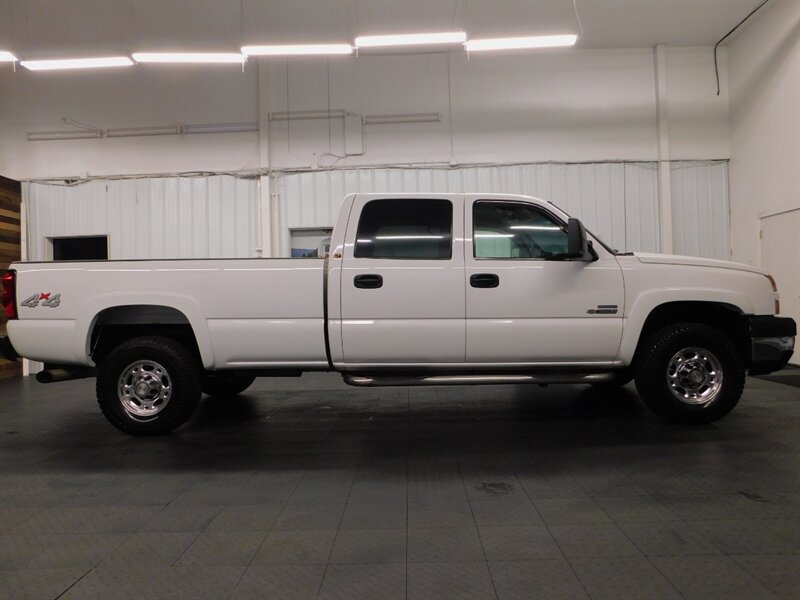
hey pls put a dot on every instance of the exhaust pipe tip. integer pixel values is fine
(44, 377)
(64, 374)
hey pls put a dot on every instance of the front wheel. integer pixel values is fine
(690, 373)
(149, 385)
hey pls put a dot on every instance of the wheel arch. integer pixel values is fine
(111, 323)
(723, 316)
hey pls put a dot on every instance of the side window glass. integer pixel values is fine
(405, 228)
(514, 230)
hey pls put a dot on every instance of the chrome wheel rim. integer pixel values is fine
(694, 376)
(144, 389)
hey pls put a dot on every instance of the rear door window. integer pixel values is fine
(405, 228)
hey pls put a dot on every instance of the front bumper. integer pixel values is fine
(6, 349)
(772, 340)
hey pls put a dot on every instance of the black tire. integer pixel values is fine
(224, 384)
(178, 381)
(693, 347)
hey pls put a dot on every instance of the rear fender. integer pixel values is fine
(91, 309)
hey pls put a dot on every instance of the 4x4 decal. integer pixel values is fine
(45, 298)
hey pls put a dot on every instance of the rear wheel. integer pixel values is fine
(226, 384)
(690, 373)
(149, 385)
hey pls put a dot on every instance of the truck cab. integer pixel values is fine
(468, 281)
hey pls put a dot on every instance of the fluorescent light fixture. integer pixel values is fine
(408, 118)
(143, 131)
(188, 57)
(302, 115)
(77, 63)
(517, 43)
(241, 127)
(6, 56)
(411, 39)
(71, 134)
(297, 50)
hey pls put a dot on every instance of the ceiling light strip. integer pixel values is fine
(77, 63)
(518, 43)
(297, 50)
(372, 41)
(410, 39)
(188, 57)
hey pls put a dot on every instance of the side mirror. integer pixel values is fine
(577, 244)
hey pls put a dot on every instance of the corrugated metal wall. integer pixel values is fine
(216, 216)
(700, 209)
(163, 217)
(618, 201)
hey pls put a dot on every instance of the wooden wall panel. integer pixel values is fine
(10, 250)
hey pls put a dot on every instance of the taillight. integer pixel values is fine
(775, 290)
(772, 281)
(9, 297)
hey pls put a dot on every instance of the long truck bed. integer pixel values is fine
(246, 313)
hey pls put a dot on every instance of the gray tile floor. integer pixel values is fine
(305, 488)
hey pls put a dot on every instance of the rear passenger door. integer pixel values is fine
(402, 281)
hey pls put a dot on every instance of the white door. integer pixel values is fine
(780, 249)
(402, 281)
(525, 309)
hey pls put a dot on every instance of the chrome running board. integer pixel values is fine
(381, 380)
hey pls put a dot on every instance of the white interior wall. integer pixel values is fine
(697, 117)
(764, 123)
(135, 97)
(765, 148)
(559, 105)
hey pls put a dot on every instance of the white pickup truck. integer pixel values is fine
(417, 290)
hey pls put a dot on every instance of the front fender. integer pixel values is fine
(646, 302)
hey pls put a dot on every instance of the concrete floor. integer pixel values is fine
(309, 489)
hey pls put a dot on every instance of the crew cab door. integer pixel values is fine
(525, 309)
(402, 281)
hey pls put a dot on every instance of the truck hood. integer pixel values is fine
(693, 261)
